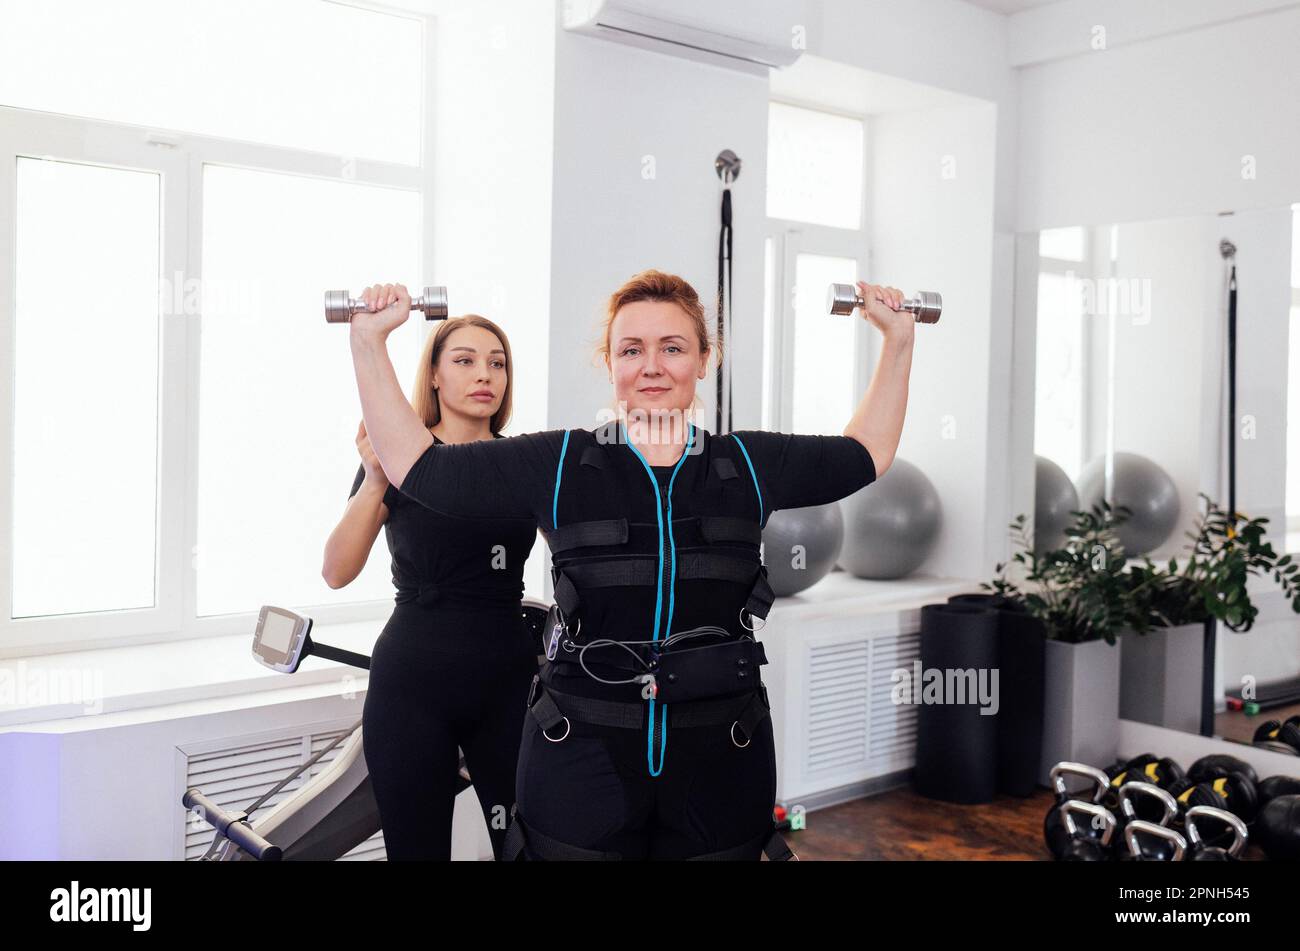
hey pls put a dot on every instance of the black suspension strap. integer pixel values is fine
(724, 279)
(727, 165)
(1209, 646)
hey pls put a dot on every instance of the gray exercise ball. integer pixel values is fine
(1055, 497)
(800, 546)
(1145, 488)
(892, 524)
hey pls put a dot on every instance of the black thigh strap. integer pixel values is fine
(769, 840)
(531, 844)
(520, 837)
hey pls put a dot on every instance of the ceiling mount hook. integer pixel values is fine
(727, 165)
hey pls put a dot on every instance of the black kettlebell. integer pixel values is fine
(1277, 830)
(1077, 830)
(1199, 850)
(1146, 768)
(1211, 767)
(1233, 791)
(1148, 842)
(1269, 789)
(1138, 800)
(1087, 829)
(1279, 737)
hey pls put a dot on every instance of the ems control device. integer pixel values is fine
(280, 637)
(843, 299)
(340, 306)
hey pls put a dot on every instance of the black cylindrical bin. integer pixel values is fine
(1022, 641)
(956, 745)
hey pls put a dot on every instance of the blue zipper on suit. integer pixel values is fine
(664, 511)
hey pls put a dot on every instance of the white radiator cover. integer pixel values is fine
(832, 650)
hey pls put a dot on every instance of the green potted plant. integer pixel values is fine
(1083, 596)
(1161, 667)
(1088, 594)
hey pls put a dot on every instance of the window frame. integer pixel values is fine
(178, 158)
(791, 238)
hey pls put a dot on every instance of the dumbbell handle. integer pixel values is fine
(844, 299)
(339, 306)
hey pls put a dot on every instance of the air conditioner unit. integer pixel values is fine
(750, 35)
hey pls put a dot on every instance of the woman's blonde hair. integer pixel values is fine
(655, 285)
(425, 398)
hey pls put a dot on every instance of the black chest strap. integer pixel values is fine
(612, 531)
(643, 571)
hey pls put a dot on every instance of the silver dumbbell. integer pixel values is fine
(844, 299)
(339, 307)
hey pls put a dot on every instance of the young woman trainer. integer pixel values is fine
(648, 734)
(454, 660)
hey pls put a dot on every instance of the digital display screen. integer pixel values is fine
(277, 632)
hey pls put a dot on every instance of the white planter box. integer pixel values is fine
(1080, 704)
(1160, 677)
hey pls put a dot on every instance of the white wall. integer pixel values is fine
(936, 233)
(948, 44)
(1158, 128)
(953, 236)
(636, 134)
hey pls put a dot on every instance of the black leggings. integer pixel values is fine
(593, 789)
(442, 678)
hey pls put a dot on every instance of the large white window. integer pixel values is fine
(1060, 410)
(277, 415)
(816, 367)
(86, 388)
(814, 166)
(824, 374)
(181, 417)
(306, 74)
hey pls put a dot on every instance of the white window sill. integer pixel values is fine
(151, 682)
(119, 686)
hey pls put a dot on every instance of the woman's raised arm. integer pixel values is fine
(877, 423)
(508, 478)
(397, 433)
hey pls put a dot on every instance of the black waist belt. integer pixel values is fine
(681, 673)
(551, 708)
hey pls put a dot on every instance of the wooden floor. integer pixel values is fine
(1240, 727)
(902, 826)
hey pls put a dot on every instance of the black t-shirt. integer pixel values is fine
(439, 557)
(515, 476)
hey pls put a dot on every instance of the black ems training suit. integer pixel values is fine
(451, 668)
(676, 761)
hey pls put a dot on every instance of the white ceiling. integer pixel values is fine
(1010, 6)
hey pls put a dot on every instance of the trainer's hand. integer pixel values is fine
(387, 307)
(882, 309)
(374, 471)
